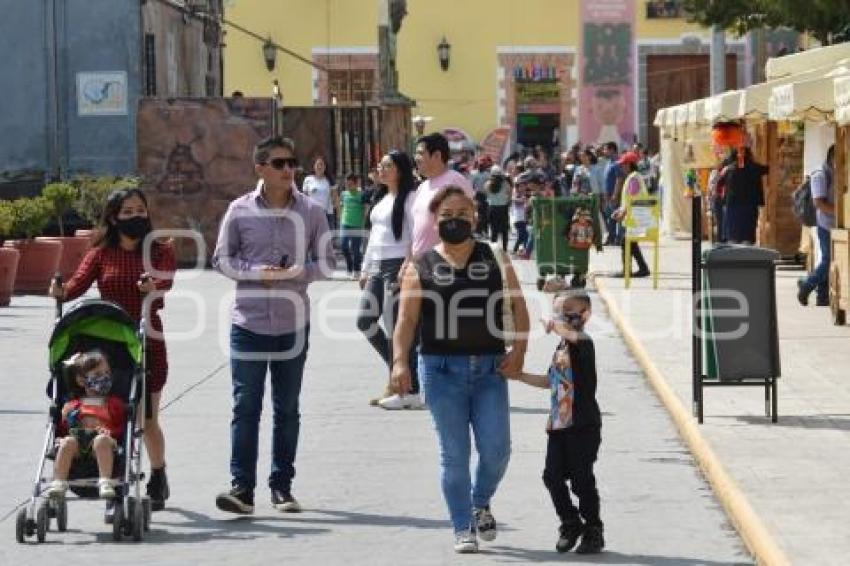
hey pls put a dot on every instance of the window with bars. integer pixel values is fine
(150, 64)
(350, 86)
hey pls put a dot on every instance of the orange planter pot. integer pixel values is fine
(9, 258)
(38, 264)
(74, 248)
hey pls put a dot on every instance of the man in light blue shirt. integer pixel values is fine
(823, 194)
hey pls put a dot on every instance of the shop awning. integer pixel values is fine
(841, 90)
(797, 63)
(723, 107)
(812, 99)
(696, 114)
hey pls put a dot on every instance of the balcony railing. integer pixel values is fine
(664, 9)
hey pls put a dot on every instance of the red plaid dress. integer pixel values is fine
(117, 272)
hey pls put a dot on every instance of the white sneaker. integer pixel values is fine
(57, 489)
(105, 488)
(466, 542)
(397, 402)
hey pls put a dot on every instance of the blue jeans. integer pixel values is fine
(464, 392)
(612, 227)
(352, 245)
(819, 278)
(284, 355)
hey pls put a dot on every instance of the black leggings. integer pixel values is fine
(569, 458)
(500, 225)
(380, 302)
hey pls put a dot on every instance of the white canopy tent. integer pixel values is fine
(797, 63)
(812, 99)
(723, 107)
(841, 92)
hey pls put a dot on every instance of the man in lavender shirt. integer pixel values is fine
(266, 241)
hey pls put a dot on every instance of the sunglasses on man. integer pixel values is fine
(280, 162)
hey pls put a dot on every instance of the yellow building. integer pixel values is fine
(549, 71)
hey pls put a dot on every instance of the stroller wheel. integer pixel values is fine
(21, 525)
(118, 521)
(137, 521)
(146, 505)
(62, 515)
(42, 521)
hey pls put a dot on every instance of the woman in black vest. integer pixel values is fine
(454, 293)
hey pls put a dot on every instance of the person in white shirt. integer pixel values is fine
(318, 187)
(390, 243)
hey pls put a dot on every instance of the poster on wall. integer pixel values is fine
(495, 143)
(607, 72)
(102, 93)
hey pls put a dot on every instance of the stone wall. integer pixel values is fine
(194, 157)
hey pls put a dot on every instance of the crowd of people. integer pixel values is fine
(423, 271)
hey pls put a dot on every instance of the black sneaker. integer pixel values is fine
(592, 541)
(568, 535)
(640, 273)
(283, 501)
(238, 500)
(157, 489)
(802, 293)
(485, 524)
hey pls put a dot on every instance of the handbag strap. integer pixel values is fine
(498, 254)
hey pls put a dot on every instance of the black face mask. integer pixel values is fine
(455, 230)
(135, 227)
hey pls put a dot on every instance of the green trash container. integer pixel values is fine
(552, 220)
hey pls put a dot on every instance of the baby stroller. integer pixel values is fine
(94, 324)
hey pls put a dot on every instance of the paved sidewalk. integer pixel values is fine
(794, 473)
(368, 478)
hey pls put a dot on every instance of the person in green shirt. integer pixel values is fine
(351, 225)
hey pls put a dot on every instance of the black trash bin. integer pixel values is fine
(740, 335)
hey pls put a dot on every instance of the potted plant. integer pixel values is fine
(9, 257)
(39, 259)
(93, 192)
(62, 198)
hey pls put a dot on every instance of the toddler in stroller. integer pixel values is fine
(94, 431)
(93, 420)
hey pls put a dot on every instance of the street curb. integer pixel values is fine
(755, 535)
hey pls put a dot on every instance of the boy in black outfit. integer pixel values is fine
(574, 425)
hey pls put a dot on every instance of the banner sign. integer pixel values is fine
(607, 93)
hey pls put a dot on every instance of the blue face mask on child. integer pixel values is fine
(99, 384)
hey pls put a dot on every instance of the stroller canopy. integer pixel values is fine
(96, 319)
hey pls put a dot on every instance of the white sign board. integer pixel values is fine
(102, 93)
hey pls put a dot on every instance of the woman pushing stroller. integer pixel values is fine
(126, 273)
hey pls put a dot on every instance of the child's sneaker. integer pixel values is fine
(569, 534)
(105, 488)
(57, 489)
(465, 542)
(485, 524)
(592, 542)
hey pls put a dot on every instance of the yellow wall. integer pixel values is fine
(464, 96)
(300, 26)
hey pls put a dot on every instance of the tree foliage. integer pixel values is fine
(827, 20)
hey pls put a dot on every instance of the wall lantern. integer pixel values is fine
(269, 54)
(443, 52)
